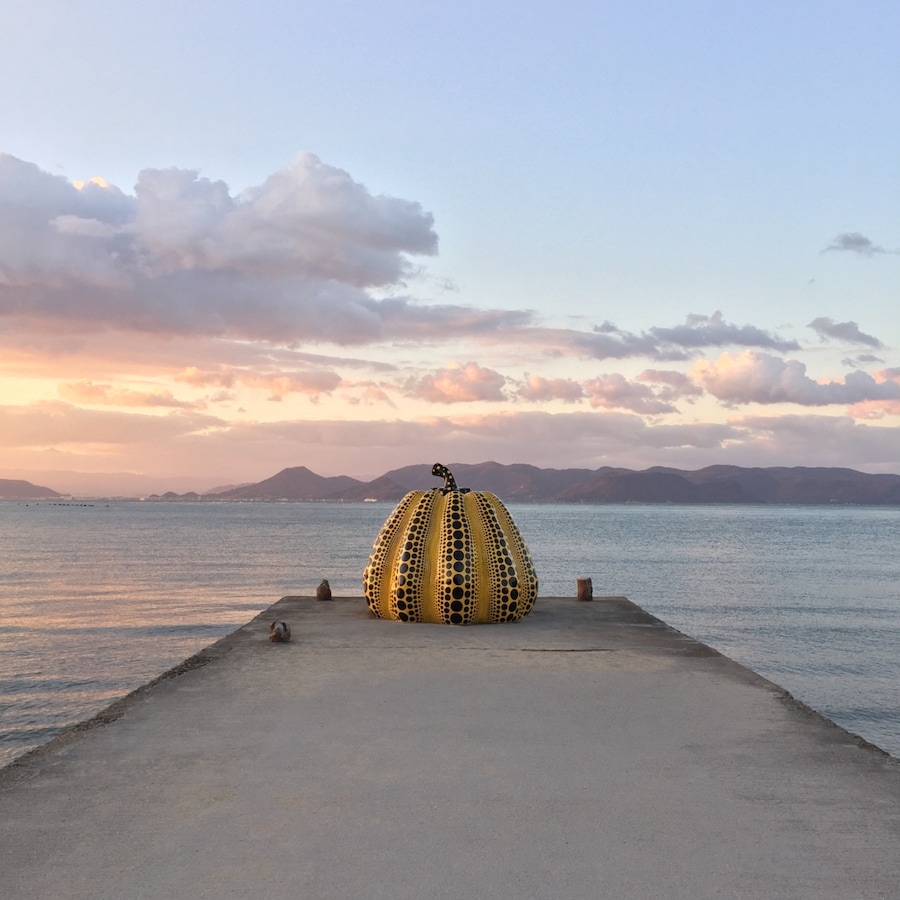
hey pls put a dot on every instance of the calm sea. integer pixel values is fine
(98, 598)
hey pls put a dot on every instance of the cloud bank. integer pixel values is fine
(296, 258)
(310, 255)
(178, 323)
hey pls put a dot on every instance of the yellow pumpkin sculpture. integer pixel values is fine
(450, 555)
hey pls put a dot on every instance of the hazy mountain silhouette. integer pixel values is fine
(525, 483)
(297, 483)
(15, 489)
(519, 482)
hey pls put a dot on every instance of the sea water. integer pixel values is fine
(98, 598)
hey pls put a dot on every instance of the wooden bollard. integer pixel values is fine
(585, 589)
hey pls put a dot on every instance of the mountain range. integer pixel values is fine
(525, 483)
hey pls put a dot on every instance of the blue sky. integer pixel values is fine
(588, 169)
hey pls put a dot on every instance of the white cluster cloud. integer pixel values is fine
(294, 258)
(754, 377)
(309, 221)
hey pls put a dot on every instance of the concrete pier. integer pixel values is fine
(588, 751)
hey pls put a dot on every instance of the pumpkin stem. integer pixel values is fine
(441, 471)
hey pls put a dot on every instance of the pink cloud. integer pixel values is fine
(367, 393)
(754, 377)
(223, 377)
(540, 389)
(676, 384)
(458, 384)
(614, 391)
(874, 409)
(106, 395)
(313, 383)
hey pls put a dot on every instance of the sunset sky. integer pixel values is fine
(236, 237)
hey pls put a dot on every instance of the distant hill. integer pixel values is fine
(515, 482)
(714, 484)
(297, 483)
(115, 484)
(12, 489)
(530, 484)
(525, 483)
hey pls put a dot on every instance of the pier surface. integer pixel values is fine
(588, 751)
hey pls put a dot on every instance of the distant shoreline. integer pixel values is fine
(520, 483)
(100, 501)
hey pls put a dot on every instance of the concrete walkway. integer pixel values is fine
(588, 751)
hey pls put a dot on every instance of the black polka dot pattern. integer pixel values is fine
(455, 582)
(394, 577)
(511, 575)
(454, 557)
